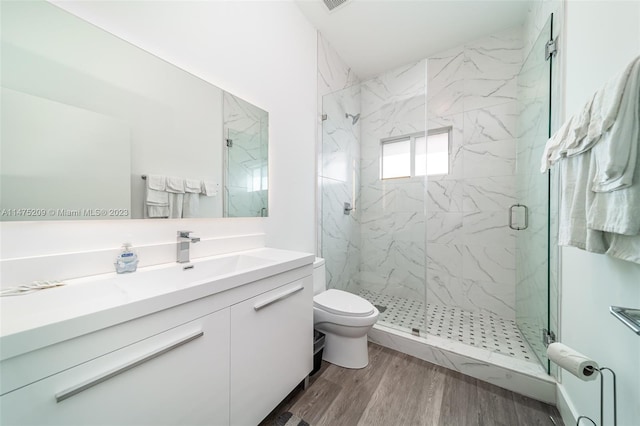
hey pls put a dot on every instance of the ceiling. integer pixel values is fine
(373, 36)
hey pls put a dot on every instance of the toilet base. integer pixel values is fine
(348, 352)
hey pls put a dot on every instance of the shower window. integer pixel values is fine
(415, 155)
(396, 158)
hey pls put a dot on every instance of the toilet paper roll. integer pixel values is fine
(572, 361)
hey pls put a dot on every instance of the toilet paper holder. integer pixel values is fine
(615, 398)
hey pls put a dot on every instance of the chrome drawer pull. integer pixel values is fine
(274, 299)
(61, 396)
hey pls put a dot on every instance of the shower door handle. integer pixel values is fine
(526, 217)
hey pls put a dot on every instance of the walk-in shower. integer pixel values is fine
(449, 237)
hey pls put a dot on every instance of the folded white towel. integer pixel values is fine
(156, 212)
(192, 186)
(578, 141)
(600, 203)
(581, 125)
(175, 205)
(572, 226)
(191, 204)
(175, 185)
(625, 247)
(156, 182)
(618, 211)
(570, 139)
(156, 198)
(606, 102)
(209, 188)
(616, 152)
(554, 146)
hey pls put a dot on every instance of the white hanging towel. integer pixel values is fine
(156, 182)
(175, 185)
(615, 152)
(570, 139)
(191, 201)
(209, 188)
(606, 103)
(156, 198)
(574, 202)
(600, 203)
(555, 145)
(175, 188)
(192, 186)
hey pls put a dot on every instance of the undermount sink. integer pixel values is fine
(100, 301)
(176, 276)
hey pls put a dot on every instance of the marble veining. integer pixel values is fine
(493, 123)
(488, 194)
(471, 252)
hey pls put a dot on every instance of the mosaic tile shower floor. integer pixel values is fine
(481, 330)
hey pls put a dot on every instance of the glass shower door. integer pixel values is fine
(246, 174)
(530, 216)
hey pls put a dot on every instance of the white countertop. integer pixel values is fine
(89, 304)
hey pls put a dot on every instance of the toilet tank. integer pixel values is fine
(319, 276)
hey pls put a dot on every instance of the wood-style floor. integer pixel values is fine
(398, 389)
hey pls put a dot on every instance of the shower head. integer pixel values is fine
(355, 118)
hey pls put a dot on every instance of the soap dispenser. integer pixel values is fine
(127, 260)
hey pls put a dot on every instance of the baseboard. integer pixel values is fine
(565, 406)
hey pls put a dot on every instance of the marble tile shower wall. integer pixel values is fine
(339, 168)
(392, 211)
(470, 248)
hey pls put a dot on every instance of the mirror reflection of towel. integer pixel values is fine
(156, 198)
(175, 188)
(209, 188)
(191, 201)
(175, 205)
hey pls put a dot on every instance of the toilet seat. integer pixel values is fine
(343, 303)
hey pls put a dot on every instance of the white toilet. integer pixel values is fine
(344, 318)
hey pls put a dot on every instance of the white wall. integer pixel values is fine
(62, 157)
(264, 52)
(601, 38)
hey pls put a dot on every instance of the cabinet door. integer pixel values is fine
(271, 349)
(177, 377)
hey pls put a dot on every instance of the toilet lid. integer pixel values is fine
(343, 303)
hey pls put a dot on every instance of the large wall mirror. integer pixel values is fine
(96, 128)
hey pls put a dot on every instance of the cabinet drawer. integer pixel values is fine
(271, 349)
(179, 376)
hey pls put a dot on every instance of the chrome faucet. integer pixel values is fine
(184, 242)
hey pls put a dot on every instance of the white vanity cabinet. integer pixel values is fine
(177, 377)
(271, 349)
(224, 356)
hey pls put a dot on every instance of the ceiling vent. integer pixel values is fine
(332, 4)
